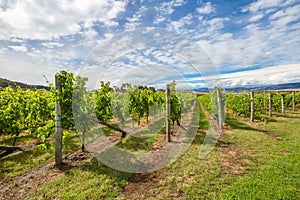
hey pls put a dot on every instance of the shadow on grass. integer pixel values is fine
(98, 168)
(199, 137)
(20, 139)
(144, 138)
(202, 129)
(271, 120)
(137, 144)
(236, 124)
(286, 115)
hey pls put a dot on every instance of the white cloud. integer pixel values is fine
(51, 45)
(179, 3)
(18, 48)
(261, 41)
(47, 19)
(256, 17)
(159, 19)
(17, 40)
(20, 67)
(131, 26)
(186, 20)
(277, 14)
(262, 4)
(285, 16)
(69, 30)
(165, 8)
(135, 20)
(268, 75)
(208, 8)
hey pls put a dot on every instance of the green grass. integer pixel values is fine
(96, 133)
(89, 181)
(143, 139)
(190, 177)
(14, 165)
(278, 175)
(7, 141)
(272, 168)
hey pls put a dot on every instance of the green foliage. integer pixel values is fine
(175, 103)
(66, 80)
(297, 97)
(103, 98)
(44, 133)
(33, 110)
(24, 110)
(239, 103)
(83, 105)
(141, 99)
(120, 106)
(276, 102)
(135, 102)
(261, 104)
(206, 101)
(211, 102)
(186, 100)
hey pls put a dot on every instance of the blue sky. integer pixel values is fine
(247, 42)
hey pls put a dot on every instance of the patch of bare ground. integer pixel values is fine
(140, 184)
(232, 159)
(232, 156)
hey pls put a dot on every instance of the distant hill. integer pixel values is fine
(285, 86)
(7, 83)
(277, 87)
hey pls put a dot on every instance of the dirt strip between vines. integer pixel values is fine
(230, 154)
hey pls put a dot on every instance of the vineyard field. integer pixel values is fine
(251, 159)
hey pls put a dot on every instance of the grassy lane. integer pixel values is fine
(187, 178)
(276, 174)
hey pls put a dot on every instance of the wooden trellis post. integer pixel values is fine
(220, 107)
(282, 103)
(293, 100)
(58, 126)
(168, 111)
(252, 105)
(270, 104)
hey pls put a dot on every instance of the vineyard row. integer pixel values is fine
(253, 105)
(33, 111)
